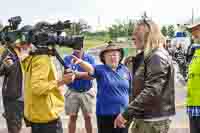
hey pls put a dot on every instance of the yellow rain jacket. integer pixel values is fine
(43, 100)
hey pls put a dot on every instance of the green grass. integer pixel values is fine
(92, 43)
(87, 45)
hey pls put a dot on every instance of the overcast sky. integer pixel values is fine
(164, 12)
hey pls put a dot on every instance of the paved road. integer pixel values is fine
(179, 121)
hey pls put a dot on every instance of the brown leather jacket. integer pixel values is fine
(156, 98)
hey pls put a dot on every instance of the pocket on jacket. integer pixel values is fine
(50, 101)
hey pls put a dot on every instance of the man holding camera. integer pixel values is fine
(44, 98)
(12, 89)
(79, 94)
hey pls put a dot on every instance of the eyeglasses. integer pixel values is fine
(133, 38)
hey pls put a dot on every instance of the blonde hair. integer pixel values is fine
(153, 38)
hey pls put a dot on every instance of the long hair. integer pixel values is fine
(153, 38)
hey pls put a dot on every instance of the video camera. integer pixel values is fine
(45, 39)
(42, 35)
(9, 33)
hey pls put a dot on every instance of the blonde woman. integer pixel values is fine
(154, 105)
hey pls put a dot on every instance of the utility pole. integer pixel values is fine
(192, 15)
(99, 20)
(127, 26)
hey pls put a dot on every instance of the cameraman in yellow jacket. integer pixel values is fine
(43, 94)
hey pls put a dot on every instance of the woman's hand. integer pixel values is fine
(83, 64)
(120, 121)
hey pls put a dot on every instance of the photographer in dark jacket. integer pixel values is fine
(12, 89)
(154, 105)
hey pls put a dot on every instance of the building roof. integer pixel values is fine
(192, 26)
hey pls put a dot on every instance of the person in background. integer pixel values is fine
(13, 88)
(133, 63)
(180, 58)
(80, 93)
(193, 95)
(168, 47)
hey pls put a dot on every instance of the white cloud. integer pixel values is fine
(162, 11)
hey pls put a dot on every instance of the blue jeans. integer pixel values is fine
(13, 113)
(50, 127)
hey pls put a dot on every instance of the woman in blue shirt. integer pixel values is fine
(113, 83)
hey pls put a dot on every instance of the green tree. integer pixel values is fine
(78, 28)
(113, 31)
(131, 26)
(171, 31)
(121, 29)
(164, 30)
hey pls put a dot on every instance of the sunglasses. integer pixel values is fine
(145, 21)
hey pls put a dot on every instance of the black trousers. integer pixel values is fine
(13, 113)
(194, 124)
(50, 127)
(105, 124)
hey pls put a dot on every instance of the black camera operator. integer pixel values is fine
(12, 89)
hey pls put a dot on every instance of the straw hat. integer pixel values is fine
(111, 47)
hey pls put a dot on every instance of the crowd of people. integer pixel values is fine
(136, 93)
(180, 57)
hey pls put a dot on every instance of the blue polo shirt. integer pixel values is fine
(80, 84)
(113, 89)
